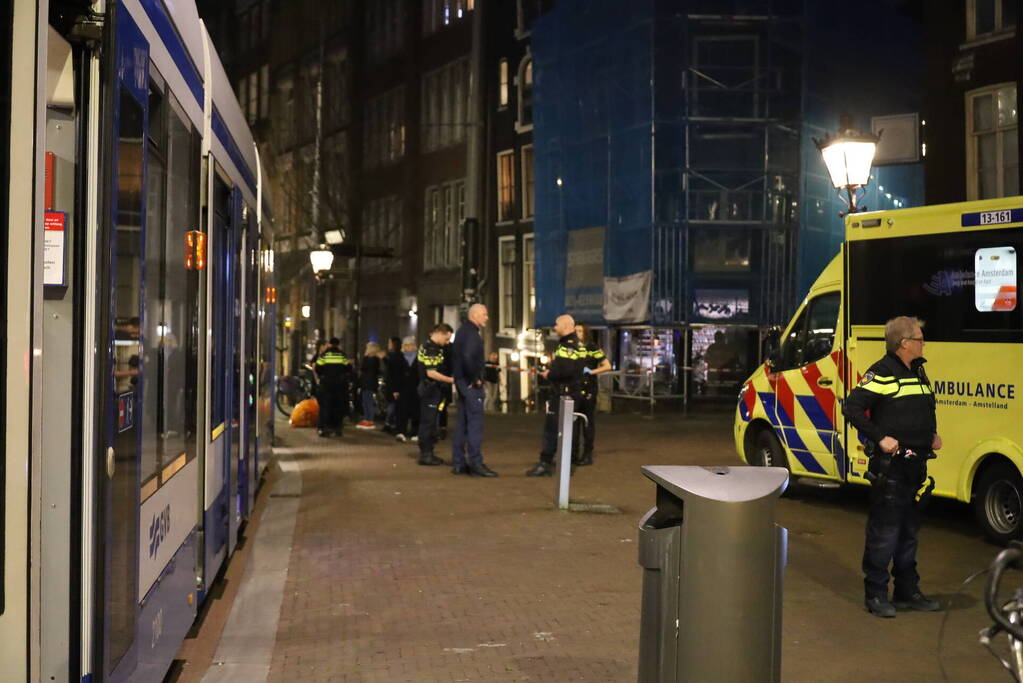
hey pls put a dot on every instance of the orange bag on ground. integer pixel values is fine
(305, 414)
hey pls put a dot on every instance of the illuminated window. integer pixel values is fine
(505, 185)
(528, 282)
(502, 78)
(525, 83)
(992, 154)
(527, 181)
(506, 282)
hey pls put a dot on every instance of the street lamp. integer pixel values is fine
(322, 259)
(848, 155)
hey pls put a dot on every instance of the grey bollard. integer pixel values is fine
(712, 560)
(563, 458)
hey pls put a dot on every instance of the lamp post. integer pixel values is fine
(848, 155)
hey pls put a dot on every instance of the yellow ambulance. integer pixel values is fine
(956, 267)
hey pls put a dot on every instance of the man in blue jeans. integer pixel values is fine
(467, 362)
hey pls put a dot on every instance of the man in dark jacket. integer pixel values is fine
(333, 374)
(403, 383)
(565, 375)
(467, 365)
(893, 408)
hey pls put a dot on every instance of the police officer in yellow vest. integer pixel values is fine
(893, 408)
(565, 374)
(432, 380)
(333, 374)
(595, 363)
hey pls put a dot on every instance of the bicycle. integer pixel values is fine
(1008, 615)
(293, 389)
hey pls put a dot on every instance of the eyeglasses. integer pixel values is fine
(916, 339)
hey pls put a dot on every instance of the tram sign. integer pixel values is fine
(54, 230)
(125, 411)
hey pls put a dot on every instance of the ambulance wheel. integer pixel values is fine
(767, 451)
(998, 502)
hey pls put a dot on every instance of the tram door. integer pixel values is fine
(247, 389)
(123, 367)
(234, 355)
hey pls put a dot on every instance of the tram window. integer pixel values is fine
(219, 281)
(935, 278)
(171, 296)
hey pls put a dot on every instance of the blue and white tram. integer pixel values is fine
(137, 349)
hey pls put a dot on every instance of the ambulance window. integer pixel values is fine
(813, 335)
(964, 285)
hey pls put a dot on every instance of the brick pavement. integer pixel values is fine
(406, 573)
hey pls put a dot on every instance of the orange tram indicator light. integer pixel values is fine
(271, 295)
(195, 250)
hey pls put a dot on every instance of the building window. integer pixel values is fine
(385, 128)
(264, 91)
(440, 13)
(336, 86)
(506, 282)
(992, 155)
(284, 111)
(506, 185)
(444, 105)
(986, 17)
(385, 25)
(527, 181)
(503, 84)
(528, 282)
(445, 210)
(525, 83)
(382, 229)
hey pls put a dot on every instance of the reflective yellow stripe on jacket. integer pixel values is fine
(896, 388)
(332, 358)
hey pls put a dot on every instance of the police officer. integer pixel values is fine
(595, 363)
(565, 375)
(431, 396)
(467, 365)
(333, 374)
(900, 433)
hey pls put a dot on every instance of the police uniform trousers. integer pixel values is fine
(430, 398)
(550, 430)
(893, 523)
(331, 398)
(587, 405)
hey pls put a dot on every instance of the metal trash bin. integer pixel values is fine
(712, 561)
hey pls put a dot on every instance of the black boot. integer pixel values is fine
(429, 460)
(541, 469)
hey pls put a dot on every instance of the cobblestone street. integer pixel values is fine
(408, 573)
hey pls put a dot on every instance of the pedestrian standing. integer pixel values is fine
(893, 408)
(491, 382)
(595, 363)
(431, 379)
(403, 379)
(391, 359)
(333, 373)
(369, 380)
(565, 375)
(468, 362)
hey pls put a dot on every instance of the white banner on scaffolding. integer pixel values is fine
(627, 299)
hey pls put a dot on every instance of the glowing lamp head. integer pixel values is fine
(848, 155)
(321, 258)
